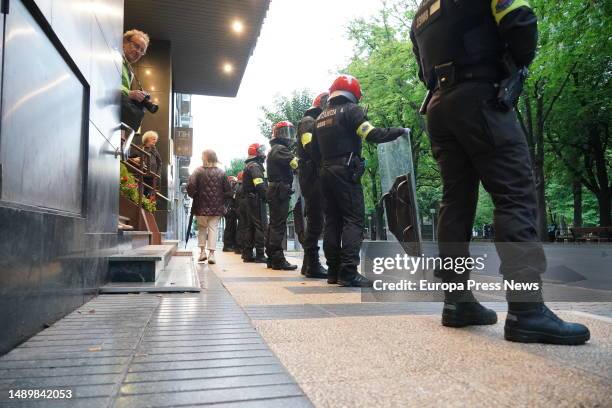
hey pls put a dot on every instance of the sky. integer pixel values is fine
(290, 26)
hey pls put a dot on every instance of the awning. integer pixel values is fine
(203, 39)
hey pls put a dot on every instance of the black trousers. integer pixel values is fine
(344, 214)
(243, 223)
(257, 224)
(313, 212)
(231, 226)
(279, 195)
(474, 142)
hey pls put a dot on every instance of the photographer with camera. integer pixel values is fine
(134, 101)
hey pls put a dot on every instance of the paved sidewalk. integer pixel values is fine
(145, 350)
(344, 353)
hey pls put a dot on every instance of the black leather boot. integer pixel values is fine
(237, 250)
(260, 257)
(282, 265)
(315, 270)
(332, 274)
(462, 309)
(247, 256)
(536, 323)
(305, 264)
(353, 279)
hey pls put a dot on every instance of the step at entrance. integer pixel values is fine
(142, 264)
(151, 268)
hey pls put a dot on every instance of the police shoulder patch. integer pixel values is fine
(501, 8)
(502, 5)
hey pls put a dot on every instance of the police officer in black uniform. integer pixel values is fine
(310, 187)
(280, 165)
(231, 218)
(254, 188)
(339, 132)
(465, 49)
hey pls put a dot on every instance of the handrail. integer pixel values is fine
(134, 168)
(125, 152)
(140, 168)
(156, 192)
(141, 150)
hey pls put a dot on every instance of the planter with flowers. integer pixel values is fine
(129, 189)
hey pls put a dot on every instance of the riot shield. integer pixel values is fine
(299, 222)
(399, 198)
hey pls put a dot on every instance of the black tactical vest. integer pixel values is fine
(306, 125)
(247, 176)
(333, 136)
(460, 31)
(278, 168)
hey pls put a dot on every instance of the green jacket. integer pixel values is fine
(126, 78)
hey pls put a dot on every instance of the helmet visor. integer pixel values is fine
(285, 132)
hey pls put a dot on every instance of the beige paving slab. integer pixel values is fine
(384, 355)
(413, 361)
(272, 292)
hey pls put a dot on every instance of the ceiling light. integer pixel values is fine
(148, 71)
(228, 68)
(237, 26)
(153, 88)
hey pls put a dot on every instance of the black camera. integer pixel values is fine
(148, 105)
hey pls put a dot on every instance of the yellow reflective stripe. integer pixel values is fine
(294, 163)
(364, 130)
(257, 181)
(502, 7)
(306, 138)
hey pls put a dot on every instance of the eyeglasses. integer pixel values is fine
(137, 47)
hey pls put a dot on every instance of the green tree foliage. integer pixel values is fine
(388, 73)
(235, 167)
(289, 108)
(565, 109)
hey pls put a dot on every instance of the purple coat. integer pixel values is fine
(210, 190)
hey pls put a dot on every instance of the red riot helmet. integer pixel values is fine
(320, 101)
(347, 86)
(284, 130)
(257, 149)
(240, 176)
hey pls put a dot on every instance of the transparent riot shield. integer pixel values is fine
(399, 193)
(299, 221)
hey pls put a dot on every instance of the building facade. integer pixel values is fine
(60, 134)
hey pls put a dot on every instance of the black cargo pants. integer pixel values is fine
(473, 141)
(257, 224)
(344, 214)
(231, 225)
(278, 196)
(310, 186)
(243, 222)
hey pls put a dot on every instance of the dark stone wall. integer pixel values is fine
(51, 263)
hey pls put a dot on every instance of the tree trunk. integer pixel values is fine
(577, 192)
(603, 198)
(539, 168)
(601, 175)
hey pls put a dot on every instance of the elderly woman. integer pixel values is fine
(210, 189)
(154, 162)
